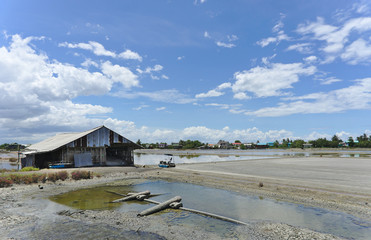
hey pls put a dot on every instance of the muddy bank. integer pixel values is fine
(27, 214)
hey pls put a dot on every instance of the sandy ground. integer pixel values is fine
(331, 183)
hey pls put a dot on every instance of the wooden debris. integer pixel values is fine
(160, 206)
(132, 197)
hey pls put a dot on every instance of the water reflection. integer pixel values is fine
(242, 207)
(154, 159)
(197, 156)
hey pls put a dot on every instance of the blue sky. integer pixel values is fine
(161, 71)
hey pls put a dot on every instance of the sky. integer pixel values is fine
(166, 70)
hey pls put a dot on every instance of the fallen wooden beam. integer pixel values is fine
(204, 213)
(132, 197)
(160, 206)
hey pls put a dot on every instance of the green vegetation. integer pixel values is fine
(29, 169)
(362, 141)
(12, 146)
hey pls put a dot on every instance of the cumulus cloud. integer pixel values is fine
(128, 54)
(215, 92)
(336, 39)
(310, 59)
(355, 97)
(241, 96)
(270, 80)
(120, 74)
(37, 91)
(245, 135)
(99, 50)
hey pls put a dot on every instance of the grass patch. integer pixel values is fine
(28, 169)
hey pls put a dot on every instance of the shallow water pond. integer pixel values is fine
(154, 159)
(230, 204)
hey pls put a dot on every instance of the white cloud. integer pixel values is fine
(140, 107)
(120, 74)
(160, 108)
(232, 38)
(88, 62)
(270, 80)
(180, 58)
(357, 52)
(128, 54)
(211, 93)
(280, 36)
(329, 80)
(224, 85)
(152, 70)
(156, 68)
(215, 92)
(233, 108)
(99, 50)
(226, 42)
(41, 90)
(245, 135)
(316, 135)
(310, 59)
(196, 2)
(355, 97)
(241, 96)
(266, 41)
(301, 47)
(226, 45)
(336, 39)
(167, 96)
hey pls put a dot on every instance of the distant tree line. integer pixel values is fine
(362, 141)
(11, 146)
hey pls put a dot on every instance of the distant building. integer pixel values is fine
(249, 145)
(237, 145)
(162, 145)
(261, 146)
(307, 145)
(176, 146)
(223, 144)
(96, 147)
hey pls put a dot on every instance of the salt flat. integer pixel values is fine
(352, 175)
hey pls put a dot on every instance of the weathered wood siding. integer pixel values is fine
(99, 138)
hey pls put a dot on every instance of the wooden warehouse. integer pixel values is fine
(96, 147)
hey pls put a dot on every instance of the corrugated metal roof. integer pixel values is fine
(57, 141)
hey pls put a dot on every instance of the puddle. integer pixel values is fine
(9, 166)
(241, 207)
